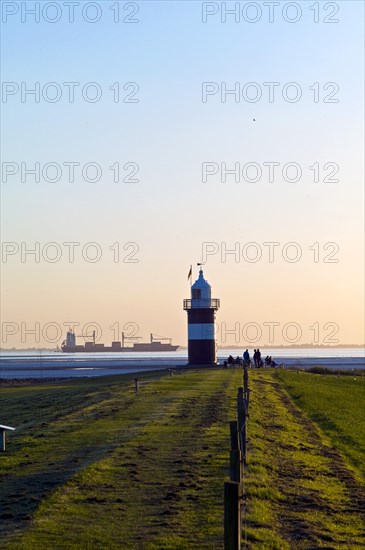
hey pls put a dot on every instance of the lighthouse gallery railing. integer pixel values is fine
(213, 303)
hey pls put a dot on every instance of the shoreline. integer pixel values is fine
(315, 368)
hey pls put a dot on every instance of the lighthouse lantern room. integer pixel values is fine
(201, 310)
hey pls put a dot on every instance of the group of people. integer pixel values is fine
(246, 360)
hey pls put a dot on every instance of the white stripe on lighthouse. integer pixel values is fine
(203, 331)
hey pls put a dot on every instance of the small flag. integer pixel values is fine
(190, 272)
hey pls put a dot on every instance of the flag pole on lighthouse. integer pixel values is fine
(190, 274)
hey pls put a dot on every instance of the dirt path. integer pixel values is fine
(308, 496)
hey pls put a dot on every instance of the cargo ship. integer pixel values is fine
(91, 346)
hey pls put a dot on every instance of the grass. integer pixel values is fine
(94, 465)
(337, 405)
(300, 491)
(117, 467)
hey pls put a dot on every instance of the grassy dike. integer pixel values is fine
(93, 465)
(337, 405)
(302, 492)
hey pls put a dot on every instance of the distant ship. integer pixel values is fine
(69, 345)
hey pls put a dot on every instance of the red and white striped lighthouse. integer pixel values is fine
(201, 310)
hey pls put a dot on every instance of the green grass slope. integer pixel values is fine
(94, 465)
(337, 405)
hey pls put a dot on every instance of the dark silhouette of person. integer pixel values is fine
(255, 357)
(259, 362)
(230, 360)
(246, 358)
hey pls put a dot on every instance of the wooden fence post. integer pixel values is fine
(235, 467)
(240, 409)
(233, 490)
(241, 417)
(136, 385)
(245, 379)
(247, 400)
(244, 437)
(233, 427)
(246, 389)
(232, 516)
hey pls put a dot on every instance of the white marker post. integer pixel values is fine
(2, 435)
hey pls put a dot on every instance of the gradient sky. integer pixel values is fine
(169, 133)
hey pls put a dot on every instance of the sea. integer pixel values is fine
(49, 364)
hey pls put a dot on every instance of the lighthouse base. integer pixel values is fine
(202, 352)
(202, 366)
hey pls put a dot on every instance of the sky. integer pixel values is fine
(148, 99)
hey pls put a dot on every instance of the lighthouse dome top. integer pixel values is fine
(201, 289)
(201, 282)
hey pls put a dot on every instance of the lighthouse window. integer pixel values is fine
(196, 294)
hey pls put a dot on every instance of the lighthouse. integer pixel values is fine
(201, 308)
